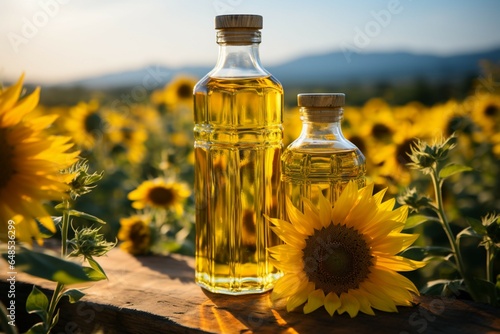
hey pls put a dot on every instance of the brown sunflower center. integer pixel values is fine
(161, 196)
(6, 157)
(491, 110)
(359, 143)
(381, 131)
(185, 91)
(403, 150)
(336, 259)
(139, 233)
(93, 123)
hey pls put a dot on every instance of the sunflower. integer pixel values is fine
(344, 258)
(178, 92)
(392, 158)
(127, 136)
(86, 124)
(135, 234)
(160, 193)
(31, 161)
(378, 122)
(486, 112)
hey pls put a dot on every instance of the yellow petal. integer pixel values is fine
(349, 304)
(299, 297)
(364, 303)
(397, 263)
(377, 298)
(289, 235)
(314, 301)
(344, 203)
(311, 212)
(286, 250)
(301, 222)
(393, 243)
(381, 229)
(325, 211)
(23, 107)
(378, 197)
(288, 266)
(399, 295)
(9, 96)
(287, 285)
(387, 205)
(332, 303)
(361, 213)
(366, 192)
(380, 275)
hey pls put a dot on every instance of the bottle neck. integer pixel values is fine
(319, 124)
(238, 54)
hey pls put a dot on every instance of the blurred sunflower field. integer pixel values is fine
(145, 149)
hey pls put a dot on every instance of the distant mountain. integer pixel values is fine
(329, 68)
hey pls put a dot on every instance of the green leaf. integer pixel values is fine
(434, 258)
(485, 290)
(477, 226)
(94, 275)
(442, 287)
(86, 216)
(37, 303)
(416, 220)
(419, 253)
(93, 263)
(60, 207)
(55, 319)
(49, 267)
(452, 169)
(37, 329)
(74, 295)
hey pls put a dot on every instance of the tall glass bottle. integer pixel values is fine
(238, 132)
(321, 159)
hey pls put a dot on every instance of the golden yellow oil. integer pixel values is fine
(308, 173)
(238, 144)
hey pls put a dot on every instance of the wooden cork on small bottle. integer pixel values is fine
(245, 21)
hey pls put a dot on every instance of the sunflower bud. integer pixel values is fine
(492, 224)
(82, 182)
(89, 242)
(413, 199)
(425, 157)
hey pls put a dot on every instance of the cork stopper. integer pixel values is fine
(321, 100)
(241, 21)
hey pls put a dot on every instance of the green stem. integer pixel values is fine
(64, 229)
(490, 257)
(437, 183)
(56, 296)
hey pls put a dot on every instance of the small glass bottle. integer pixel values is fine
(321, 159)
(238, 112)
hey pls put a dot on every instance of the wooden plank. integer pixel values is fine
(157, 294)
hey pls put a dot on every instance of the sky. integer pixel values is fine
(55, 41)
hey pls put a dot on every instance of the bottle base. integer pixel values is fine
(228, 286)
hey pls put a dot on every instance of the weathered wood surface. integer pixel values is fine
(157, 294)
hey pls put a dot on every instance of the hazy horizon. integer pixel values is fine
(62, 40)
